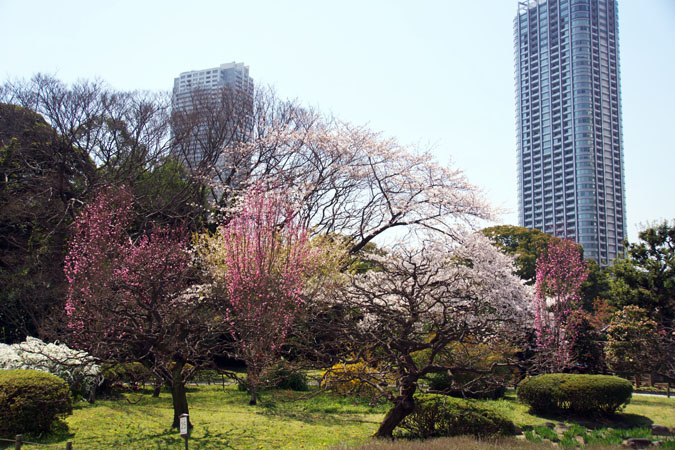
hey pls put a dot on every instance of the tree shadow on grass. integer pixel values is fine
(312, 415)
(59, 433)
(170, 439)
(617, 420)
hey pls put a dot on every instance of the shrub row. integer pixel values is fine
(578, 394)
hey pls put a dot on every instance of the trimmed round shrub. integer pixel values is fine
(578, 394)
(439, 416)
(116, 376)
(30, 400)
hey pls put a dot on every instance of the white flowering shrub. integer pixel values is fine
(9, 358)
(75, 367)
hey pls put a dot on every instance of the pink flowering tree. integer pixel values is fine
(262, 264)
(560, 273)
(130, 299)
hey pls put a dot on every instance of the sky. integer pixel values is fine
(434, 74)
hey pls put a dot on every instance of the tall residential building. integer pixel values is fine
(206, 102)
(568, 103)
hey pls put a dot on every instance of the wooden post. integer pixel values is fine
(17, 442)
(668, 389)
(184, 430)
(69, 445)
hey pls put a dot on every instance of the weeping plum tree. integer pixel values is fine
(130, 299)
(262, 263)
(560, 273)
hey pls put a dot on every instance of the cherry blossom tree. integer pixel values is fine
(560, 273)
(344, 179)
(262, 263)
(405, 319)
(131, 299)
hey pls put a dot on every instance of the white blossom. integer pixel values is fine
(73, 366)
(469, 284)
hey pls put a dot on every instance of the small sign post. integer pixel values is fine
(184, 428)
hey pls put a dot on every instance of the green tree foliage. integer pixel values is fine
(166, 194)
(42, 178)
(523, 243)
(646, 277)
(596, 285)
(586, 350)
(633, 342)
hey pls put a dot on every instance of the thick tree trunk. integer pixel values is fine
(178, 394)
(405, 404)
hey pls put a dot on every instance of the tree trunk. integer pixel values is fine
(405, 404)
(252, 386)
(178, 394)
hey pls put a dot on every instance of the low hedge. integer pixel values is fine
(116, 375)
(578, 394)
(284, 378)
(30, 400)
(467, 385)
(440, 416)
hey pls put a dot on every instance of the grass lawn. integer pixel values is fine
(283, 419)
(222, 420)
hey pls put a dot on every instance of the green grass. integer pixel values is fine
(284, 419)
(222, 420)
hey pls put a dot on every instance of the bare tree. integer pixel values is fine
(125, 134)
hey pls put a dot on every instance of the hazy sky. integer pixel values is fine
(435, 73)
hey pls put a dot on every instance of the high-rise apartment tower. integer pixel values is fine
(569, 136)
(207, 100)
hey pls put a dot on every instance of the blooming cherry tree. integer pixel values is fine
(560, 273)
(344, 179)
